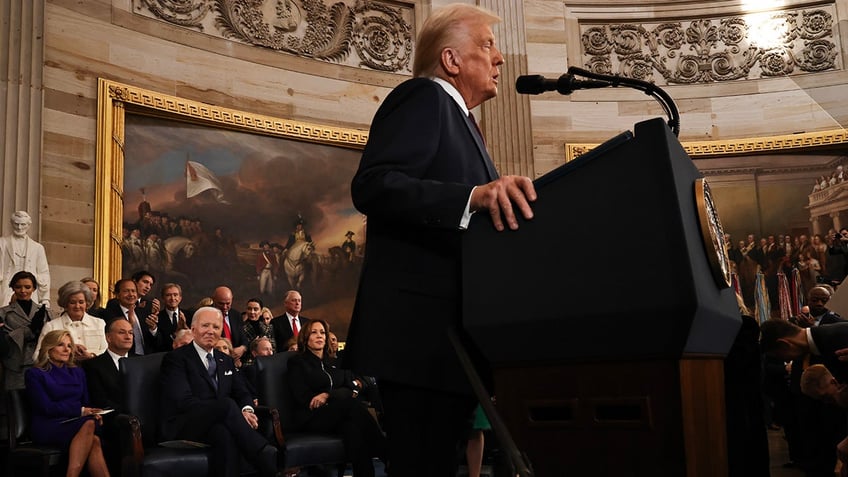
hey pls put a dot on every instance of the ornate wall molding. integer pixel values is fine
(716, 49)
(360, 33)
(739, 147)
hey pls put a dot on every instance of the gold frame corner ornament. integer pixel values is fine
(713, 234)
(115, 99)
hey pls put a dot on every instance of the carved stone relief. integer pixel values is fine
(361, 33)
(709, 50)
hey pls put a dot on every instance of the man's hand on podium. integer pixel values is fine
(500, 197)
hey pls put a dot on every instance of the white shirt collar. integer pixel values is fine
(453, 93)
(813, 348)
(202, 353)
(115, 357)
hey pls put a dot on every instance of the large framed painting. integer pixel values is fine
(781, 200)
(205, 196)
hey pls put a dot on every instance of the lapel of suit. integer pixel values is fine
(478, 141)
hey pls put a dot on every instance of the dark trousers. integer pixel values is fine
(362, 437)
(221, 424)
(424, 428)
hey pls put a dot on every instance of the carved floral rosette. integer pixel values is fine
(360, 33)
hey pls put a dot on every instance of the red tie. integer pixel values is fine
(295, 331)
(227, 333)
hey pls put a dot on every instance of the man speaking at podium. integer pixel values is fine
(424, 172)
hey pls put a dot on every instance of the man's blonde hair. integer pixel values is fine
(441, 30)
(812, 380)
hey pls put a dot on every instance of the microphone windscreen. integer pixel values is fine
(530, 84)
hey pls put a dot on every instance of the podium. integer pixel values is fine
(602, 317)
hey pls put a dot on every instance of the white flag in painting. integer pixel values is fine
(200, 179)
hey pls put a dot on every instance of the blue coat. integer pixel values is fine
(56, 395)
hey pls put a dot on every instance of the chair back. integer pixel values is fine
(271, 385)
(18, 415)
(140, 380)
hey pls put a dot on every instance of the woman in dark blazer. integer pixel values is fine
(324, 400)
(60, 416)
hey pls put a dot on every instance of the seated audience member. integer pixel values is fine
(259, 347)
(818, 383)
(333, 348)
(255, 326)
(324, 400)
(225, 346)
(22, 322)
(204, 399)
(87, 331)
(182, 337)
(61, 415)
(95, 309)
(291, 344)
(104, 386)
(171, 317)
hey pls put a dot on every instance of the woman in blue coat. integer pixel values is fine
(60, 416)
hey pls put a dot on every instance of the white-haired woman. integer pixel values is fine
(88, 332)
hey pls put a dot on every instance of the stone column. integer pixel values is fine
(837, 221)
(816, 225)
(21, 102)
(506, 118)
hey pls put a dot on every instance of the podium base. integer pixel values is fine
(651, 418)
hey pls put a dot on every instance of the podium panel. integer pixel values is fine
(604, 300)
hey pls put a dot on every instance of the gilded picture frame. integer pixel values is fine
(123, 107)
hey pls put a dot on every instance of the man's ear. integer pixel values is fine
(450, 61)
(783, 345)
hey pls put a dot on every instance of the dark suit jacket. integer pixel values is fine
(167, 329)
(308, 377)
(104, 382)
(416, 175)
(235, 328)
(152, 343)
(283, 331)
(185, 384)
(829, 338)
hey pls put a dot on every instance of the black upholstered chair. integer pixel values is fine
(26, 458)
(141, 454)
(300, 448)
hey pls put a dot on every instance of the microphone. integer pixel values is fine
(565, 84)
